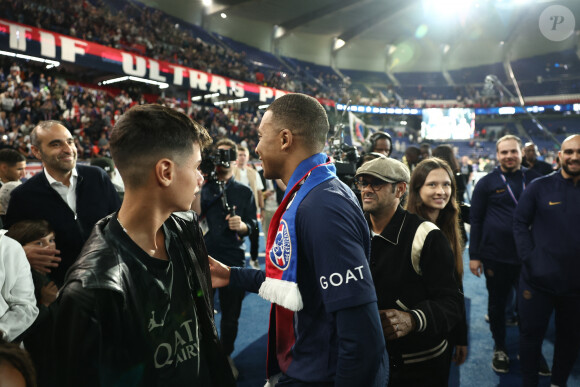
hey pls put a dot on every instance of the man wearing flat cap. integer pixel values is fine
(413, 270)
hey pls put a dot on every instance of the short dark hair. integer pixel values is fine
(20, 359)
(11, 157)
(445, 152)
(44, 125)
(228, 142)
(27, 231)
(303, 116)
(413, 150)
(372, 141)
(146, 133)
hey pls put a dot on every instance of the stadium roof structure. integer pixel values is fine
(391, 35)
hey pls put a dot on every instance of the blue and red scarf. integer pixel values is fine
(280, 286)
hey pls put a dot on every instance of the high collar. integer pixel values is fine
(305, 166)
(567, 180)
(392, 230)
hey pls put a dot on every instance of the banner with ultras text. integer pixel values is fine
(22, 39)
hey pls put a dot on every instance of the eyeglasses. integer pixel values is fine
(375, 184)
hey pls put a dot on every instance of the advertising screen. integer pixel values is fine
(448, 124)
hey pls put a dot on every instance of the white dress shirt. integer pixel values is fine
(68, 194)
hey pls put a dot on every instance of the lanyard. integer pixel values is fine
(510, 188)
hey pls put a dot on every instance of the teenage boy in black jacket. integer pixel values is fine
(136, 308)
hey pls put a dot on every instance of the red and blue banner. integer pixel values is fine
(22, 39)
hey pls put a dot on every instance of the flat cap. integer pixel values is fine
(386, 169)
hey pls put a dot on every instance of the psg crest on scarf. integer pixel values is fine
(281, 250)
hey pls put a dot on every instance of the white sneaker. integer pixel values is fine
(255, 264)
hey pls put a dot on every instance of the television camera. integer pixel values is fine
(346, 157)
(212, 160)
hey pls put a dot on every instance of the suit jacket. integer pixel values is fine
(36, 199)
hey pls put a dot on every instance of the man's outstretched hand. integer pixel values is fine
(220, 274)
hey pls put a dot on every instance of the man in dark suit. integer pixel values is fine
(71, 198)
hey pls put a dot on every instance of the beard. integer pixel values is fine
(370, 208)
(567, 169)
(512, 168)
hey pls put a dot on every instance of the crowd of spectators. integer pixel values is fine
(141, 30)
(422, 97)
(150, 32)
(28, 96)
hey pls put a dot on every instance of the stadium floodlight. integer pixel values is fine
(279, 31)
(200, 97)
(391, 48)
(421, 31)
(238, 100)
(114, 80)
(507, 110)
(49, 63)
(161, 85)
(338, 43)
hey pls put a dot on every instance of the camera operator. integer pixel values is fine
(228, 213)
(379, 142)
